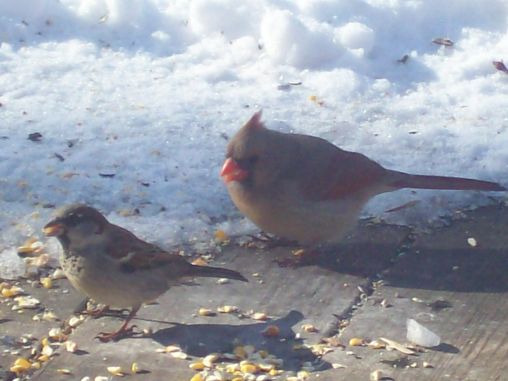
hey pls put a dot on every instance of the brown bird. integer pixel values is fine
(306, 189)
(114, 267)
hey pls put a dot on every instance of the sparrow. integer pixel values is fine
(306, 189)
(114, 267)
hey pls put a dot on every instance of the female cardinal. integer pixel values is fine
(304, 188)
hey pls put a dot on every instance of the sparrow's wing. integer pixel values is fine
(135, 254)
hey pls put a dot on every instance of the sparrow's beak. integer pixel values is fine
(231, 171)
(53, 229)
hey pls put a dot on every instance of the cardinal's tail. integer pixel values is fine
(405, 180)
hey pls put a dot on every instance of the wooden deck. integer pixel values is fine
(367, 287)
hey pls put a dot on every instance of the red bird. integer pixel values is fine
(304, 188)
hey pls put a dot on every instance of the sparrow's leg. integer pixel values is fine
(123, 331)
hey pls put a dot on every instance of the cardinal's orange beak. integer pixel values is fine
(231, 171)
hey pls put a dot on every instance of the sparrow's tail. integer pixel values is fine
(216, 272)
(405, 180)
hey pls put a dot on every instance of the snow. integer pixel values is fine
(150, 90)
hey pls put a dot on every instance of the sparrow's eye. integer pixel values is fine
(74, 219)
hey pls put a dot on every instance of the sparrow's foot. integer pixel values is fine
(122, 333)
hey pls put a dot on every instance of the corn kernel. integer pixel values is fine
(20, 365)
(221, 236)
(227, 309)
(197, 365)
(309, 328)
(248, 368)
(275, 372)
(210, 359)
(197, 377)
(356, 342)
(47, 282)
(71, 346)
(205, 312)
(239, 351)
(11, 291)
(116, 371)
(199, 262)
(260, 316)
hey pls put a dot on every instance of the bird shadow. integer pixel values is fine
(202, 339)
(440, 260)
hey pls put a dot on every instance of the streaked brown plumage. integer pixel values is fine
(112, 266)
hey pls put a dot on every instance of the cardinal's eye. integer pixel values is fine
(253, 160)
(248, 163)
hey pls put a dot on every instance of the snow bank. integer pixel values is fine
(135, 101)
